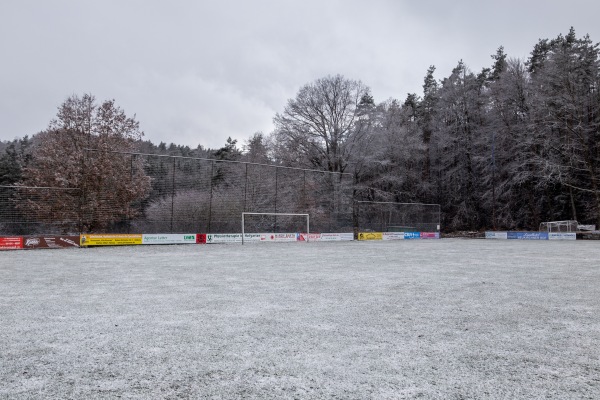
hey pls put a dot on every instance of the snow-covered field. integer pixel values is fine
(447, 319)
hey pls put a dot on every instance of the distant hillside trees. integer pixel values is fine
(13, 159)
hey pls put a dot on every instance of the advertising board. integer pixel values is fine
(311, 237)
(11, 243)
(562, 236)
(326, 237)
(110, 240)
(412, 235)
(50, 242)
(169, 238)
(430, 235)
(393, 235)
(370, 236)
(232, 237)
(344, 237)
(278, 237)
(528, 235)
(496, 235)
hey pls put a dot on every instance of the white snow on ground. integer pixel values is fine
(448, 319)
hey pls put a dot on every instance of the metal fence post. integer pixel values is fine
(245, 187)
(212, 172)
(172, 195)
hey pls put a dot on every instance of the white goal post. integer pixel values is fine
(274, 214)
(559, 226)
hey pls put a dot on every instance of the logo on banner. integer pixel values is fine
(32, 242)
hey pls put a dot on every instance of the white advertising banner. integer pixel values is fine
(562, 236)
(232, 237)
(392, 235)
(278, 237)
(496, 235)
(312, 237)
(169, 238)
(326, 237)
(347, 236)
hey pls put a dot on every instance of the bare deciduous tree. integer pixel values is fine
(321, 123)
(107, 182)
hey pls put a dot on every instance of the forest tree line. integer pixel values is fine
(507, 147)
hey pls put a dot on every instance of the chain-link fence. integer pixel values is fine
(398, 217)
(133, 193)
(204, 195)
(39, 210)
(147, 193)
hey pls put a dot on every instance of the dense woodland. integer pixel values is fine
(506, 147)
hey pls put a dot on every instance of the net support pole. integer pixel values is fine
(243, 228)
(307, 228)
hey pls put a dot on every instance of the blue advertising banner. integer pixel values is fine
(412, 235)
(528, 235)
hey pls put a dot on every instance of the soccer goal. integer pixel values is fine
(275, 224)
(559, 226)
(383, 216)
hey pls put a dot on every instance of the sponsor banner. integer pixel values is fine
(232, 237)
(562, 236)
(201, 238)
(326, 237)
(430, 235)
(346, 236)
(273, 237)
(278, 237)
(412, 235)
(393, 236)
(11, 243)
(370, 236)
(169, 238)
(496, 235)
(528, 235)
(110, 240)
(50, 242)
(311, 237)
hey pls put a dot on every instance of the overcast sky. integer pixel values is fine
(196, 71)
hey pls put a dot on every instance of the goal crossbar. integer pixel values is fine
(275, 214)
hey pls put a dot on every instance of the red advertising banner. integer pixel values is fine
(11, 243)
(430, 235)
(50, 242)
(201, 238)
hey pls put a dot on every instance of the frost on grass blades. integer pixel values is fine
(476, 319)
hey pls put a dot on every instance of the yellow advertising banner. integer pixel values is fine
(370, 236)
(110, 240)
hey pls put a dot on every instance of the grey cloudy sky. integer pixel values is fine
(197, 71)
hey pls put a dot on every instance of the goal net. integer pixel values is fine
(276, 224)
(381, 216)
(559, 226)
